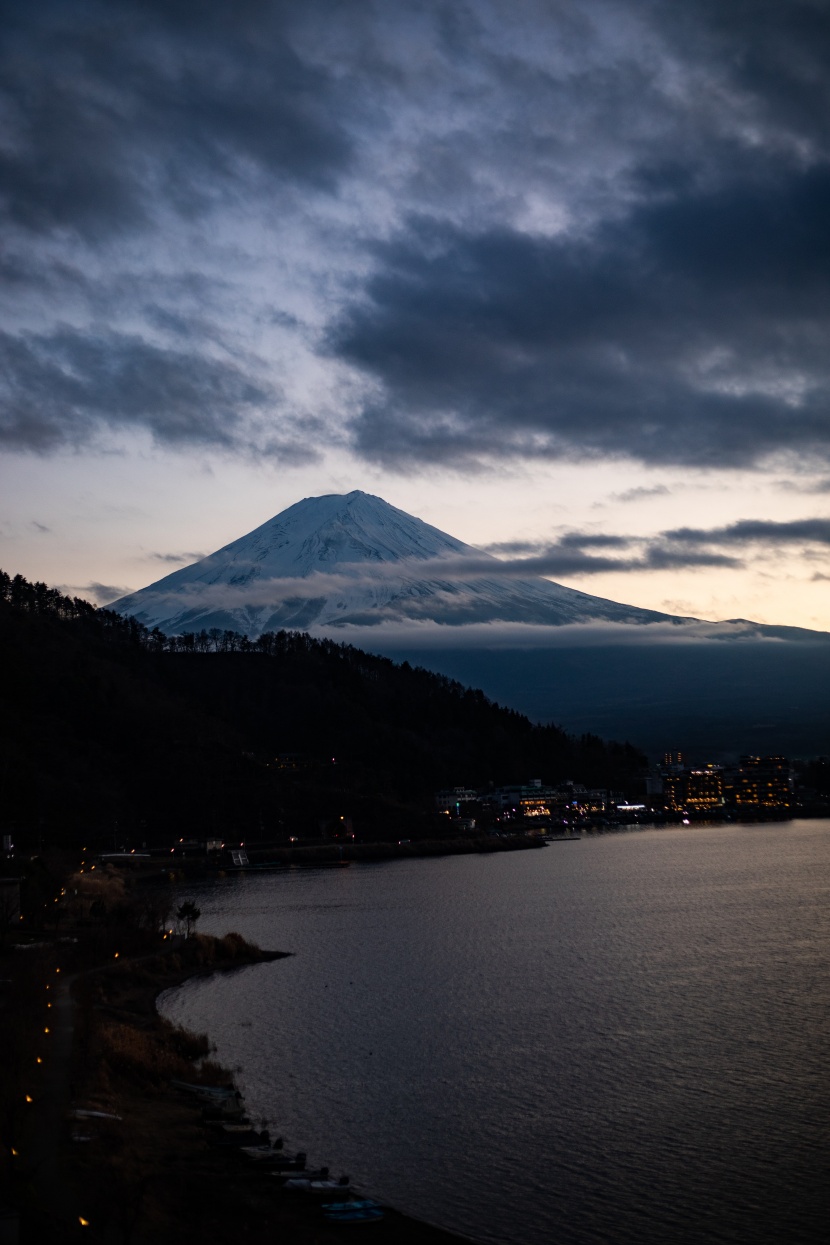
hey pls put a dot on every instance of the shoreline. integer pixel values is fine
(182, 1189)
(396, 1225)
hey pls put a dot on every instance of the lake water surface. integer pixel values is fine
(621, 1039)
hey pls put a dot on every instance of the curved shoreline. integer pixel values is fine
(156, 1157)
(396, 1227)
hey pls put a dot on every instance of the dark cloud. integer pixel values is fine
(566, 557)
(557, 561)
(750, 531)
(641, 493)
(674, 549)
(115, 109)
(570, 561)
(774, 54)
(661, 558)
(571, 540)
(60, 389)
(592, 540)
(514, 547)
(178, 559)
(692, 333)
(804, 486)
(102, 594)
(597, 229)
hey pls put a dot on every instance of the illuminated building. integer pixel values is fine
(693, 790)
(763, 782)
(534, 800)
(450, 801)
(704, 787)
(530, 799)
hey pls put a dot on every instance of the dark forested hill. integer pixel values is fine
(110, 731)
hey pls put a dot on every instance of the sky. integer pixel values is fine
(554, 277)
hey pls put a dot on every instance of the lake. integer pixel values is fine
(620, 1039)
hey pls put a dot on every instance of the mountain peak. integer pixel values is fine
(339, 528)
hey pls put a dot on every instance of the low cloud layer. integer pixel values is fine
(448, 234)
(100, 594)
(674, 549)
(247, 587)
(752, 531)
(410, 635)
(177, 559)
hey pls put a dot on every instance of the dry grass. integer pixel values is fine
(149, 1057)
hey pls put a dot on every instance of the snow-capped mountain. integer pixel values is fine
(354, 559)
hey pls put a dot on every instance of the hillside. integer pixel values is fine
(111, 732)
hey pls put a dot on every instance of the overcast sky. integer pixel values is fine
(553, 276)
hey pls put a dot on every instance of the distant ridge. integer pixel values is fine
(353, 559)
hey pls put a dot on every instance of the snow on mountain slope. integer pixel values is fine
(354, 559)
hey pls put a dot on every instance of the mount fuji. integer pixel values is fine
(357, 569)
(354, 560)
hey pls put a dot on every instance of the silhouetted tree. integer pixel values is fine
(189, 913)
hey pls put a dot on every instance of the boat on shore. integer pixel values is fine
(265, 1156)
(356, 1217)
(239, 1136)
(365, 1203)
(230, 1109)
(209, 1093)
(317, 1188)
(283, 1174)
